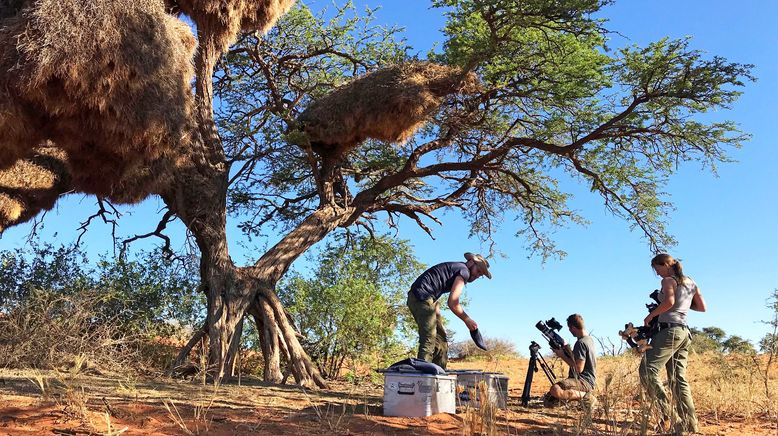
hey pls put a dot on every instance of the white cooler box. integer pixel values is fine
(418, 394)
(469, 386)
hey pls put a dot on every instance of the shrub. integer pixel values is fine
(496, 347)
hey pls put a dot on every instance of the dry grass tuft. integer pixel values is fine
(224, 19)
(64, 332)
(389, 105)
(726, 389)
(109, 83)
(480, 420)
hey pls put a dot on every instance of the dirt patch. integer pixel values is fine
(87, 404)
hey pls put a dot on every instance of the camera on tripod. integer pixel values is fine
(547, 329)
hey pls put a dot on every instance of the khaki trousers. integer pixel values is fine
(433, 343)
(670, 349)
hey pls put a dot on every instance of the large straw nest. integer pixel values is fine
(225, 19)
(108, 81)
(9, 8)
(32, 185)
(390, 104)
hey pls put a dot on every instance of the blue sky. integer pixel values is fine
(724, 225)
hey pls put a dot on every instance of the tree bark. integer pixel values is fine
(197, 194)
(272, 266)
(184, 353)
(268, 334)
(234, 350)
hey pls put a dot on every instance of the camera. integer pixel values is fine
(547, 329)
(640, 337)
(654, 296)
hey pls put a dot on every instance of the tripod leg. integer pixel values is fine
(547, 370)
(533, 367)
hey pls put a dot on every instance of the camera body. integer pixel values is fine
(548, 328)
(640, 337)
(654, 296)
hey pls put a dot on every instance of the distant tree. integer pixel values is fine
(354, 304)
(715, 334)
(736, 344)
(769, 343)
(150, 292)
(715, 339)
(496, 347)
(41, 267)
(703, 343)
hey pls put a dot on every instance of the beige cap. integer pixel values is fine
(480, 262)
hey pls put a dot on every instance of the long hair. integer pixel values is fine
(666, 259)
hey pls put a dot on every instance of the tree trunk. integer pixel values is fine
(198, 195)
(181, 359)
(234, 350)
(268, 336)
(271, 267)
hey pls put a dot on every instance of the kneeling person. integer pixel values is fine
(581, 377)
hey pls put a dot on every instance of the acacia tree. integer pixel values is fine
(521, 93)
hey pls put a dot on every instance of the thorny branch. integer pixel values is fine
(166, 250)
(102, 213)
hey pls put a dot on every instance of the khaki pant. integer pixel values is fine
(433, 343)
(575, 384)
(670, 349)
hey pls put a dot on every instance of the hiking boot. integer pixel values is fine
(550, 401)
(589, 401)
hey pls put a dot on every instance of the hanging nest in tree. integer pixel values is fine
(32, 185)
(389, 105)
(108, 81)
(224, 19)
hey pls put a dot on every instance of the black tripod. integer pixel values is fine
(534, 359)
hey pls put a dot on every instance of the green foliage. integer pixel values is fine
(702, 343)
(715, 339)
(738, 345)
(151, 292)
(353, 305)
(265, 82)
(623, 120)
(45, 267)
(147, 293)
(769, 343)
(557, 105)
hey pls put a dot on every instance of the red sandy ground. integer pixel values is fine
(256, 408)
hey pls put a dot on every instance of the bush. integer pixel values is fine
(495, 348)
(50, 330)
(56, 308)
(352, 307)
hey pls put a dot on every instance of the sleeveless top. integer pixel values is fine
(684, 292)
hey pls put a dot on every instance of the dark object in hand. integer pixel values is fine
(640, 337)
(478, 339)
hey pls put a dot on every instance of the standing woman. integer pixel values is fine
(670, 345)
